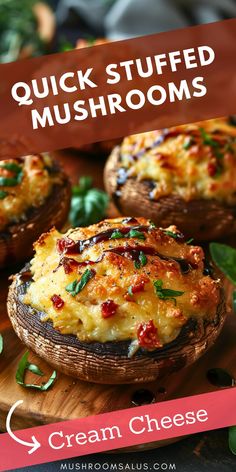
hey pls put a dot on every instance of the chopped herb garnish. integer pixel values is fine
(23, 366)
(77, 285)
(35, 369)
(188, 143)
(134, 233)
(152, 224)
(130, 291)
(1, 344)
(11, 181)
(3, 194)
(190, 241)
(165, 293)
(142, 260)
(208, 140)
(170, 233)
(117, 234)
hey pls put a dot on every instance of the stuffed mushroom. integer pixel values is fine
(34, 195)
(121, 301)
(184, 175)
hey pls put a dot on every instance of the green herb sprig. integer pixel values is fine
(25, 365)
(171, 234)
(142, 260)
(133, 233)
(3, 194)
(165, 293)
(77, 285)
(11, 181)
(88, 205)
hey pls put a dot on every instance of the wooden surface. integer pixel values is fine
(70, 398)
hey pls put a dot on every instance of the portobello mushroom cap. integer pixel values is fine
(16, 241)
(202, 218)
(122, 321)
(107, 363)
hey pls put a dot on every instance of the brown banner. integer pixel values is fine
(111, 90)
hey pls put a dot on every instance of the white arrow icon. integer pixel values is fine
(34, 445)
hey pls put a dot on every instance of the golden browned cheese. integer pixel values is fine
(130, 267)
(24, 183)
(192, 161)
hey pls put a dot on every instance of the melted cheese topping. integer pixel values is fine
(32, 188)
(192, 161)
(115, 276)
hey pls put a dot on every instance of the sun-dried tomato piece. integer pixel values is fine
(148, 335)
(212, 168)
(63, 244)
(57, 301)
(109, 308)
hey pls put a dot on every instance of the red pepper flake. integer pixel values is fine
(57, 301)
(109, 308)
(212, 168)
(148, 336)
(63, 244)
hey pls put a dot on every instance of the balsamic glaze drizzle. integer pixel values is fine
(126, 251)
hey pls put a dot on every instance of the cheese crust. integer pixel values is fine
(142, 283)
(192, 161)
(25, 183)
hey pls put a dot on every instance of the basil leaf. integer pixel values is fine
(77, 285)
(130, 291)
(8, 181)
(117, 234)
(234, 301)
(158, 284)
(134, 233)
(170, 233)
(85, 183)
(22, 366)
(50, 382)
(1, 344)
(34, 369)
(232, 439)
(71, 287)
(207, 139)
(225, 258)
(165, 293)
(3, 194)
(25, 365)
(152, 224)
(168, 293)
(190, 241)
(142, 258)
(11, 181)
(88, 205)
(11, 166)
